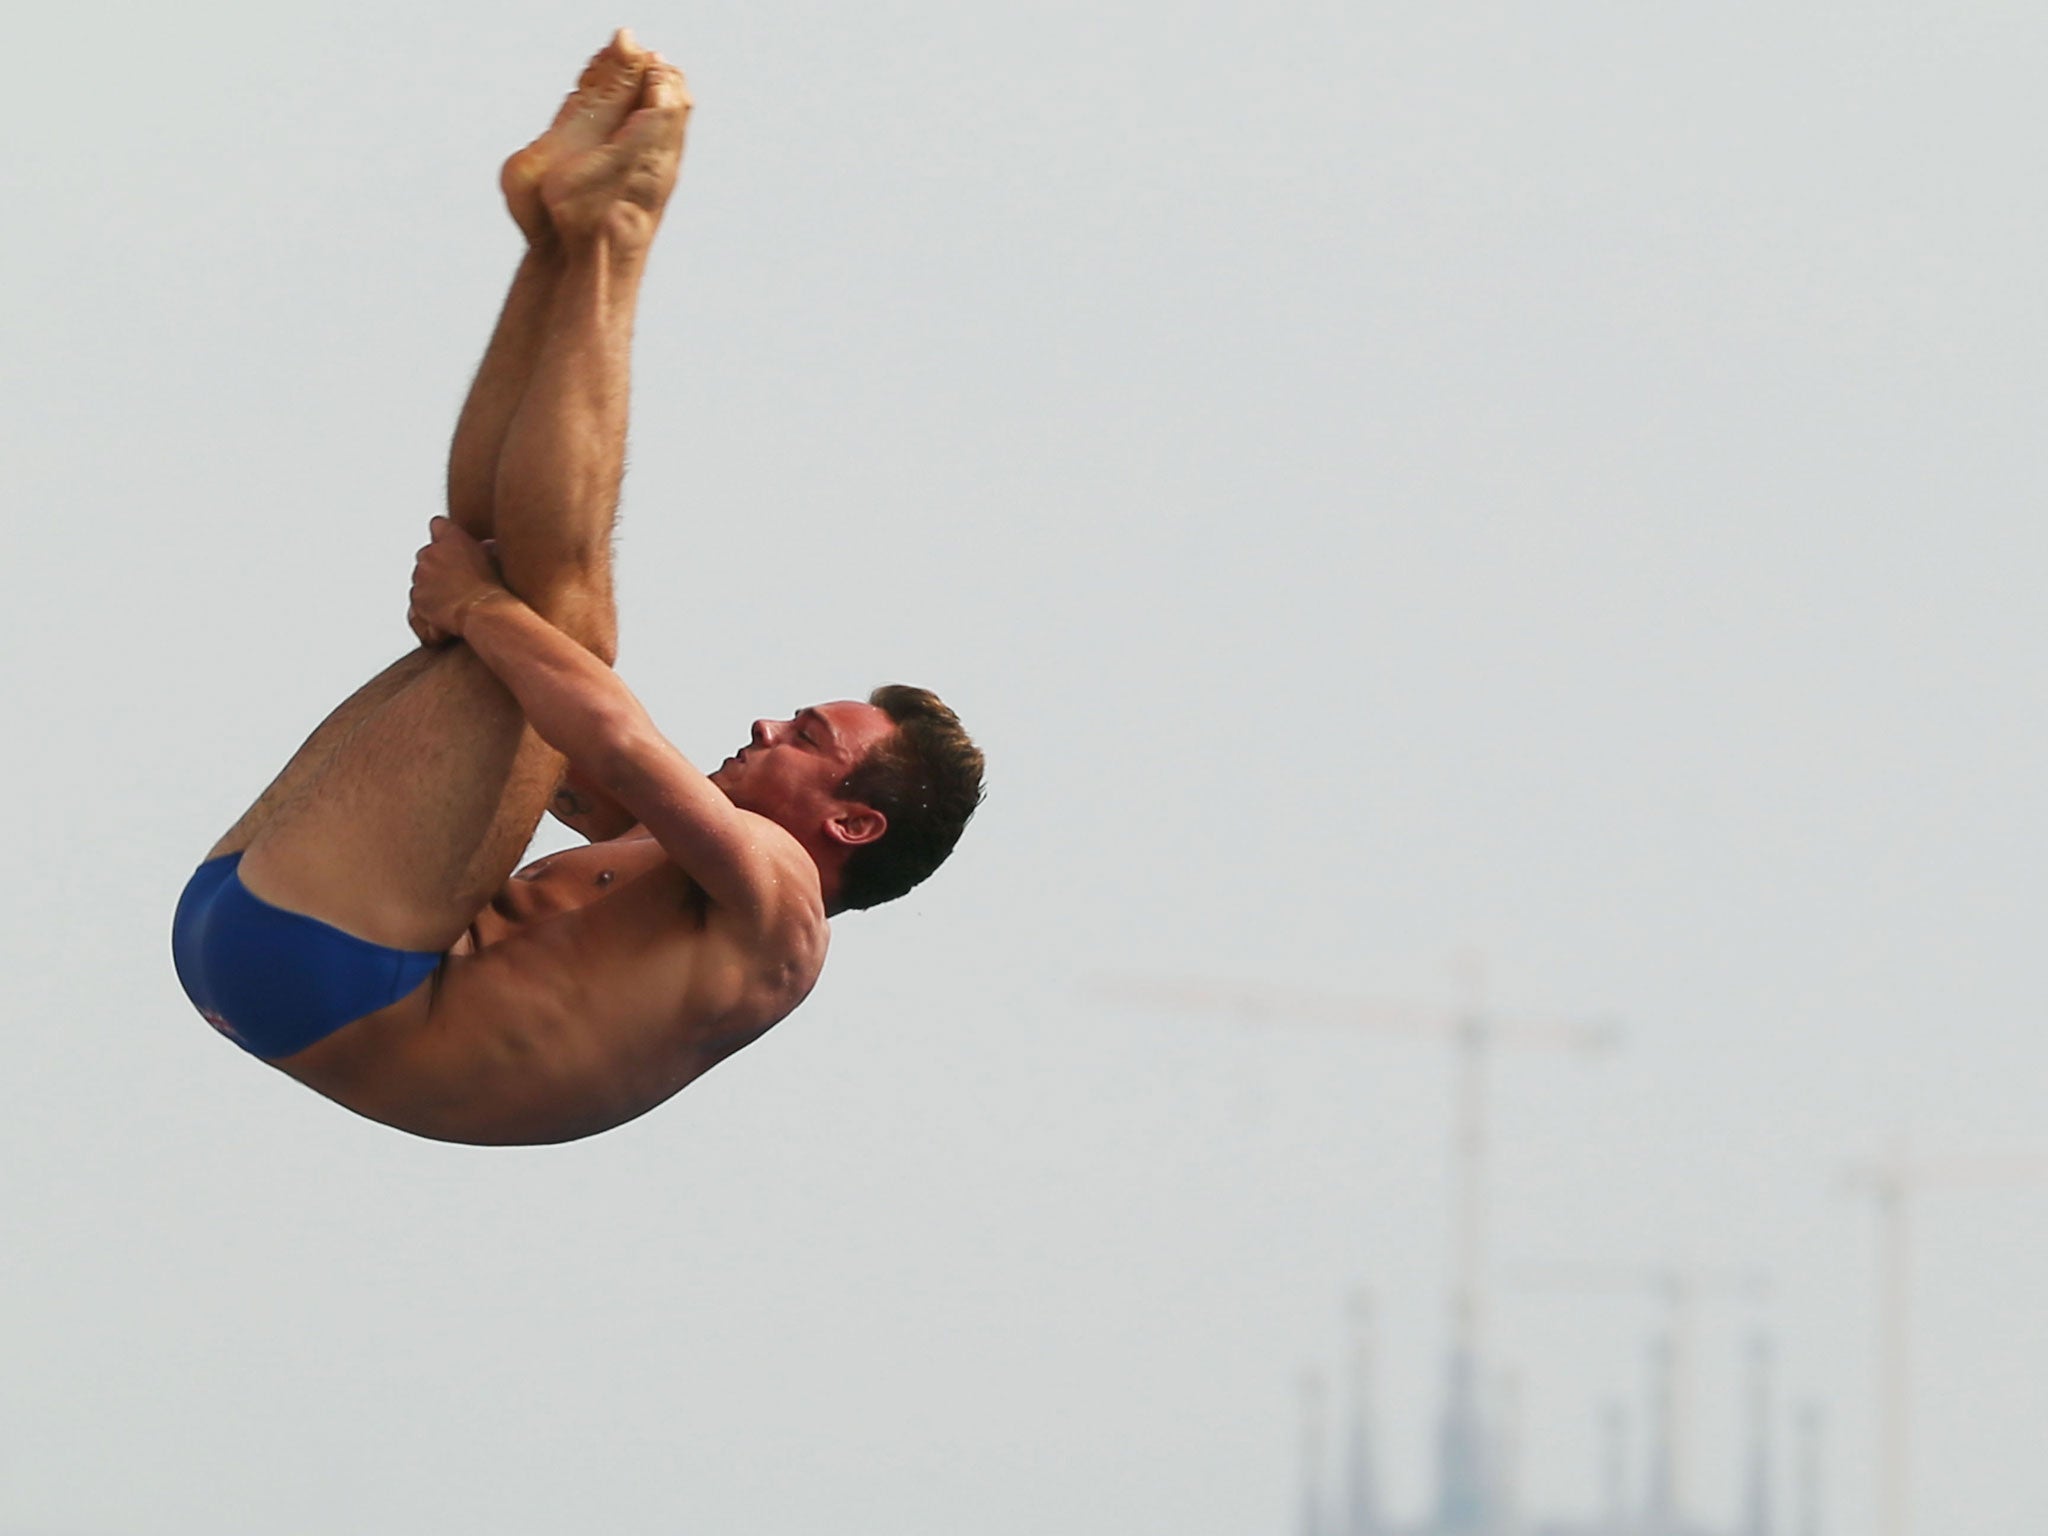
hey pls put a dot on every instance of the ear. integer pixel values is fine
(854, 825)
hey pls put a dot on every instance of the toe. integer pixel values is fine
(606, 92)
(665, 88)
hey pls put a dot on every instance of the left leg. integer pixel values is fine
(303, 771)
(499, 385)
(412, 824)
(608, 86)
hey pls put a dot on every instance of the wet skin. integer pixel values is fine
(599, 981)
(584, 990)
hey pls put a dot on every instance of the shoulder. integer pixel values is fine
(756, 966)
(784, 926)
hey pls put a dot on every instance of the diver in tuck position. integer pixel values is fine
(357, 927)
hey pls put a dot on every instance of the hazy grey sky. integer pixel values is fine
(1559, 481)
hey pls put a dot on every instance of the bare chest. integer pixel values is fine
(629, 879)
(658, 982)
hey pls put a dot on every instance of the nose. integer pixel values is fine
(760, 733)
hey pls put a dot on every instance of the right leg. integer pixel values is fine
(565, 445)
(419, 814)
(608, 86)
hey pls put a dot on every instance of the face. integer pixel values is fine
(791, 769)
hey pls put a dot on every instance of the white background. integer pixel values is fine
(1557, 481)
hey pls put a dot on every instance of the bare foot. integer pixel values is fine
(617, 190)
(608, 89)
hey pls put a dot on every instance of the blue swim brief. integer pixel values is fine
(273, 981)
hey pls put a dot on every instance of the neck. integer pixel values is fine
(829, 858)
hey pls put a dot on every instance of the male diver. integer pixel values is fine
(357, 927)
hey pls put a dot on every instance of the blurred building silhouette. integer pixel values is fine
(1475, 1489)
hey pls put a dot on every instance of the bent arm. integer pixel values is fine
(585, 711)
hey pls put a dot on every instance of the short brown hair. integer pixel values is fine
(926, 779)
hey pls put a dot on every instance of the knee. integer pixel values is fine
(591, 622)
(581, 607)
(602, 641)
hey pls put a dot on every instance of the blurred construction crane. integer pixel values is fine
(1894, 1181)
(1466, 1484)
